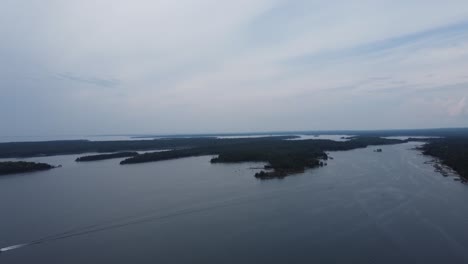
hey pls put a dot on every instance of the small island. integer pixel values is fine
(107, 156)
(12, 167)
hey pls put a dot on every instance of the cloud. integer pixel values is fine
(179, 66)
(112, 82)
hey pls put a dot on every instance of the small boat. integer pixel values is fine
(12, 247)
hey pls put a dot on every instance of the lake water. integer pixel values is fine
(330, 137)
(364, 207)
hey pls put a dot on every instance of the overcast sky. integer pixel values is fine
(119, 66)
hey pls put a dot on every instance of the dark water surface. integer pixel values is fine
(364, 207)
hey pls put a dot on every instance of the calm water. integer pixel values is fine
(331, 137)
(364, 207)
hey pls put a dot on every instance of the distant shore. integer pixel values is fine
(451, 152)
(283, 156)
(14, 167)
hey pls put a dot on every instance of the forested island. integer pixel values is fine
(63, 147)
(452, 152)
(284, 157)
(11, 167)
(106, 156)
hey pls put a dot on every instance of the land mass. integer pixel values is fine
(64, 147)
(106, 156)
(283, 157)
(11, 167)
(452, 152)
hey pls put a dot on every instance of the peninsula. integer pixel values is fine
(283, 157)
(452, 152)
(12, 167)
(106, 156)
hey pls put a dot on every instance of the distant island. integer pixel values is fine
(106, 156)
(283, 157)
(12, 167)
(64, 147)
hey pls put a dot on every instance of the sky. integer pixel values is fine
(207, 66)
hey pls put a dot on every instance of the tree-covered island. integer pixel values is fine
(283, 157)
(12, 167)
(106, 156)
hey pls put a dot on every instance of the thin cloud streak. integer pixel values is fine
(89, 80)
